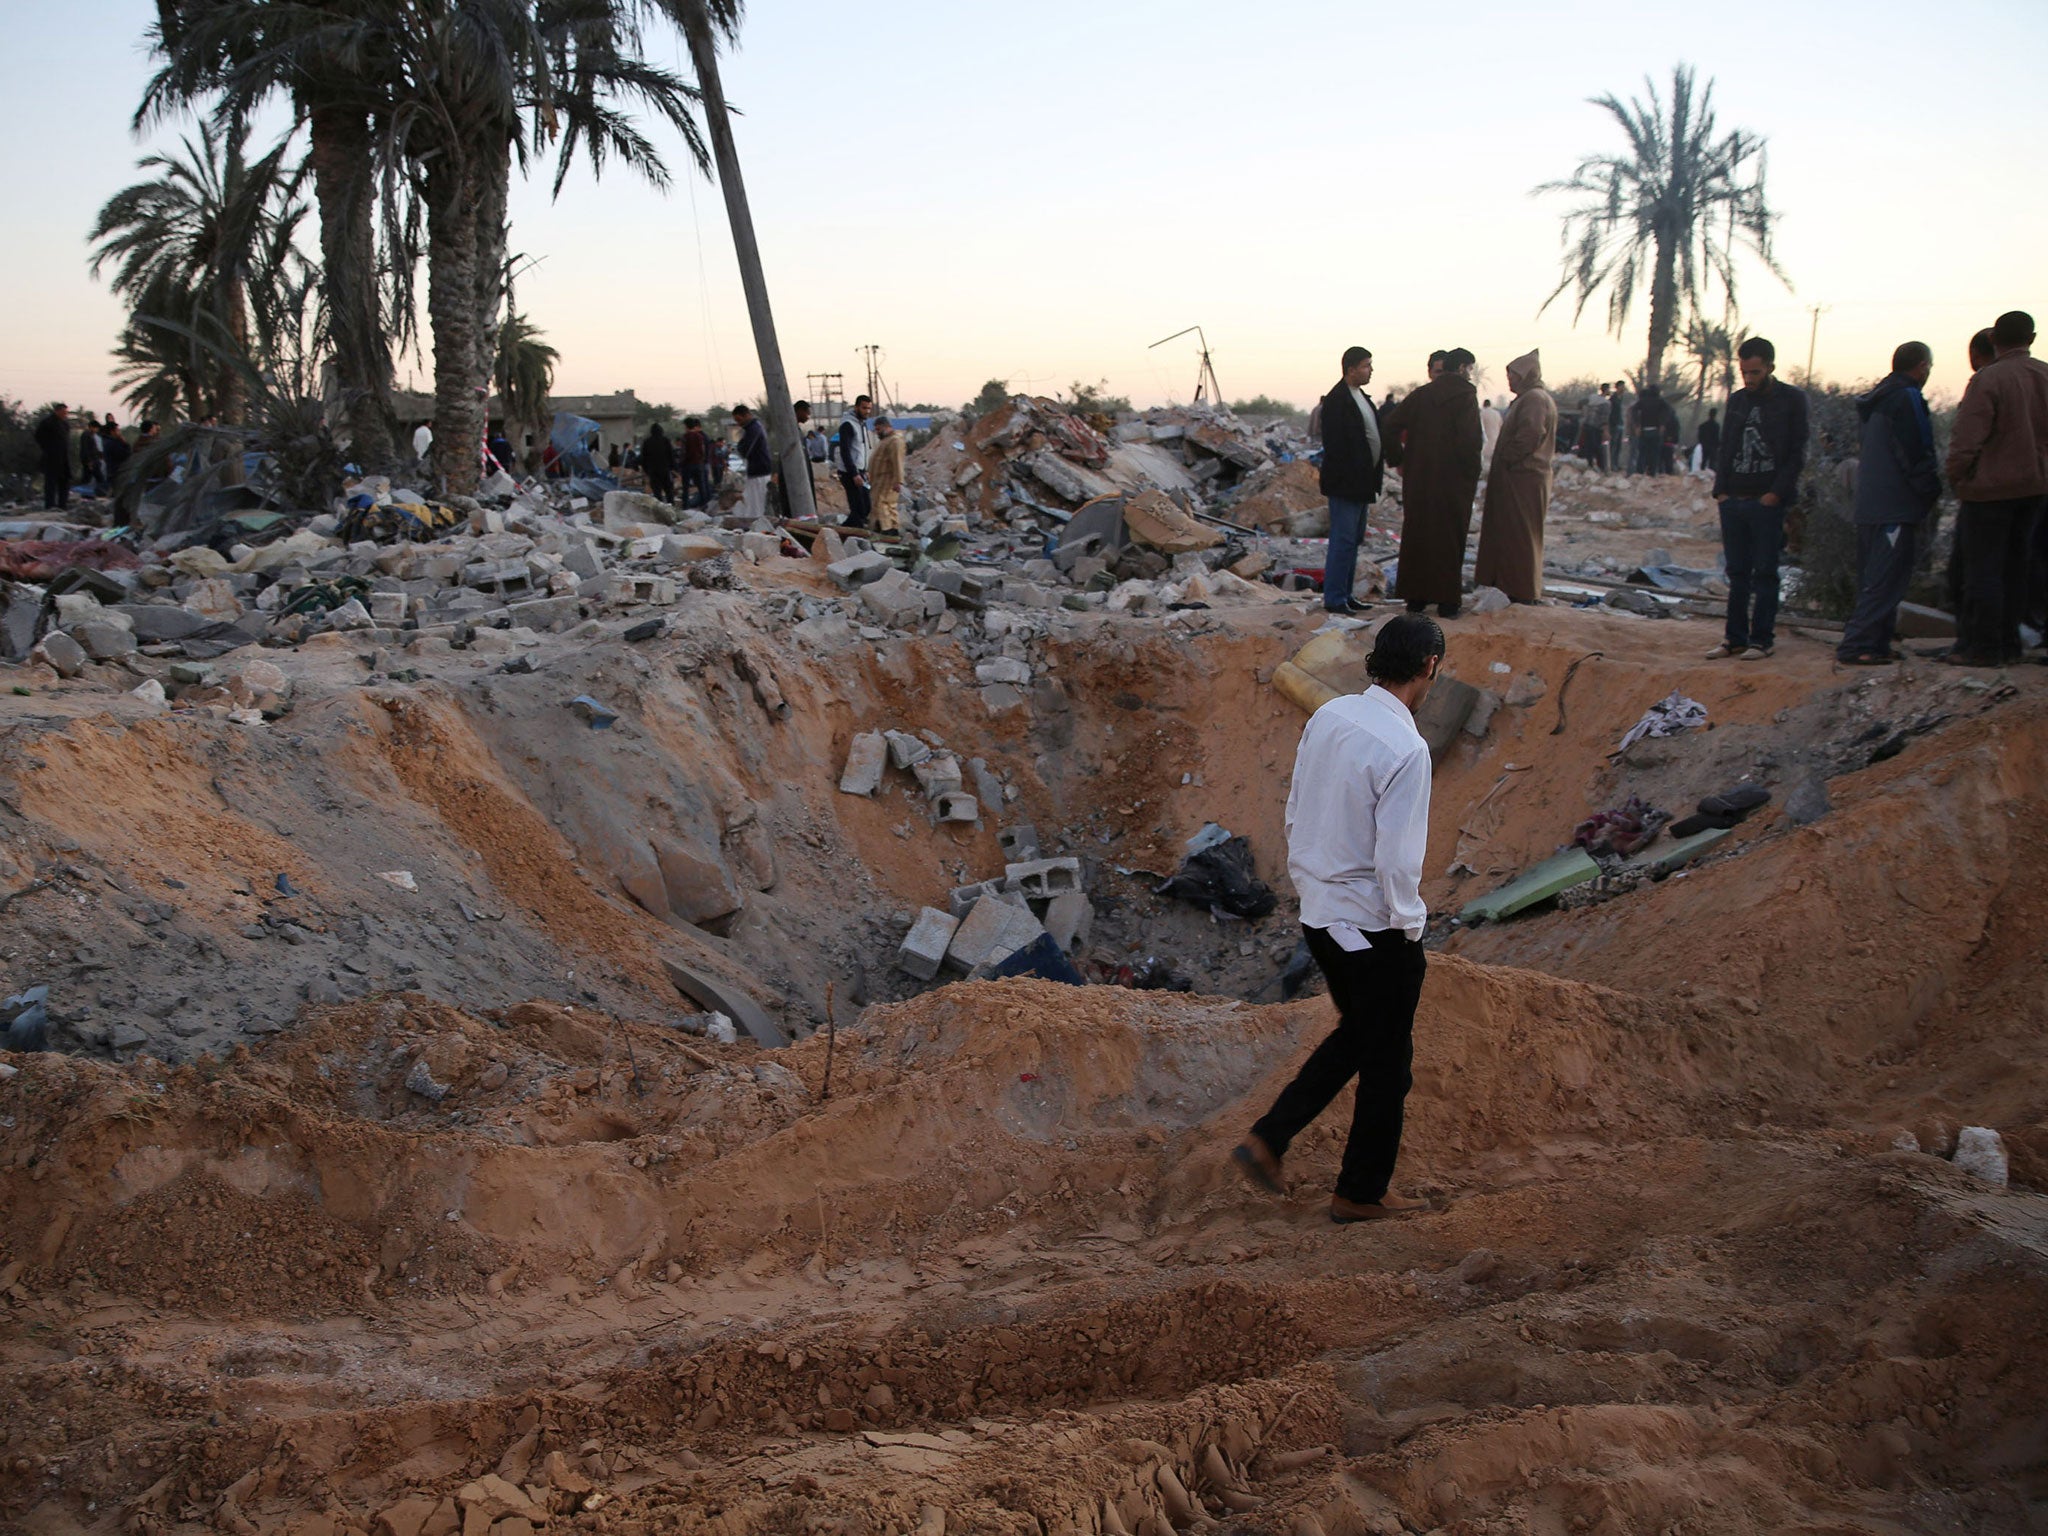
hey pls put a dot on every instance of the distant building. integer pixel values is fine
(612, 413)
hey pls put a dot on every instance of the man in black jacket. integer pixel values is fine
(1762, 451)
(1897, 485)
(658, 459)
(1354, 467)
(53, 446)
(1710, 441)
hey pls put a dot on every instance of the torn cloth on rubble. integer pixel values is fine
(1626, 830)
(40, 559)
(1676, 713)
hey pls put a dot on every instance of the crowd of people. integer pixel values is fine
(83, 457)
(1445, 441)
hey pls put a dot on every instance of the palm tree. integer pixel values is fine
(326, 55)
(157, 364)
(525, 372)
(207, 227)
(1672, 210)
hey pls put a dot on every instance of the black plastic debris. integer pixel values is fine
(1219, 876)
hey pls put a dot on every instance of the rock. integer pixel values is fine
(646, 629)
(104, 640)
(421, 1081)
(152, 622)
(865, 759)
(1980, 1152)
(62, 654)
(1002, 669)
(1809, 802)
(859, 570)
(905, 750)
(1069, 917)
(1483, 709)
(689, 548)
(635, 509)
(1478, 1266)
(350, 615)
(938, 775)
(151, 692)
(1488, 600)
(1526, 690)
(125, 1037)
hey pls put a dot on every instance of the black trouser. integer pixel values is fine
(1752, 538)
(56, 485)
(858, 502)
(662, 482)
(1375, 990)
(1996, 539)
(1884, 569)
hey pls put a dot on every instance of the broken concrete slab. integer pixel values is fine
(905, 750)
(866, 758)
(721, 997)
(1558, 873)
(938, 775)
(1019, 841)
(62, 654)
(859, 570)
(923, 949)
(961, 899)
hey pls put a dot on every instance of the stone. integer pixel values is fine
(125, 1037)
(350, 615)
(193, 674)
(62, 654)
(866, 758)
(938, 775)
(905, 750)
(646, 629)
(990, 933)
(104, 640)
(1488, 600)
(420, 1080)
(389, 607)
(635, 509)
(581, 559)
(1019, 840)
(1001, 698)
(923, 949)
(1809, 802)
(1525, 690)
(760, 546)
(152, 622)
(700, 888)
(958, 805)
(151, 692)
(688, 548)
(1916, 622)
(859, 570)
(1981, 1153)
(1002, 669)
(1069, 918)
(1478, 1266)
(1043, 879)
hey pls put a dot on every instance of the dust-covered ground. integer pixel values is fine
(353, 1207)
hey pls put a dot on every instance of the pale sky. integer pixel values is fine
(1036, 193)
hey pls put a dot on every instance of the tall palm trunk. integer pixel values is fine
(494, 177)
(1663, 305)
(451, 198)
(783, 438)
(340, 156)
(230, 393)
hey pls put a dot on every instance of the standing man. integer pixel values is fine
(91, 461)
(696, 462)
(1489, 429)
(759, 464)
(852, 447)
(1617, 422)
(658, 459)
(53, 447)
(1357, 823)
(1656, 425)
(1998, 465)
(422, 440)
(1436, 430)
(1897, 485)
(885, 473)
(1762, 452)
(1518, 488)
(804, 429)
(1709, 440)
(1354, 467)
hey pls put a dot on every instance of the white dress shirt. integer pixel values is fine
(1372, 422)
(1358, 817)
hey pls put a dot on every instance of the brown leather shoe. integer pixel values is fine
(1344, 1212)
(1256, 1161)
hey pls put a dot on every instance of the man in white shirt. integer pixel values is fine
(422, 440)
(1357, 821)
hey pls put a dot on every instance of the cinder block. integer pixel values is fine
(958, 805)
(961, 899)
(1019, 843)
(923, 950)
(865, 760)
(906, 751)
(1069, 918)
(938, 774)
(1043, 879)
(992, 932)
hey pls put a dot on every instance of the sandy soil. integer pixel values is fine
(483, 1241)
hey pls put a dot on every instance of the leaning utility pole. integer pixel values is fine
(783, 439)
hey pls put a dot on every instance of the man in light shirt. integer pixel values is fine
(1357, 820)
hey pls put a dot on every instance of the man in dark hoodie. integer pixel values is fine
(53, 449)
(1897, 485)
(658, 459)
(1762, 452)
(1354, 466)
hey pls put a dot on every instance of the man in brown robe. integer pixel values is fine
(885, 473)
(1436, 433)
(1518, 488)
